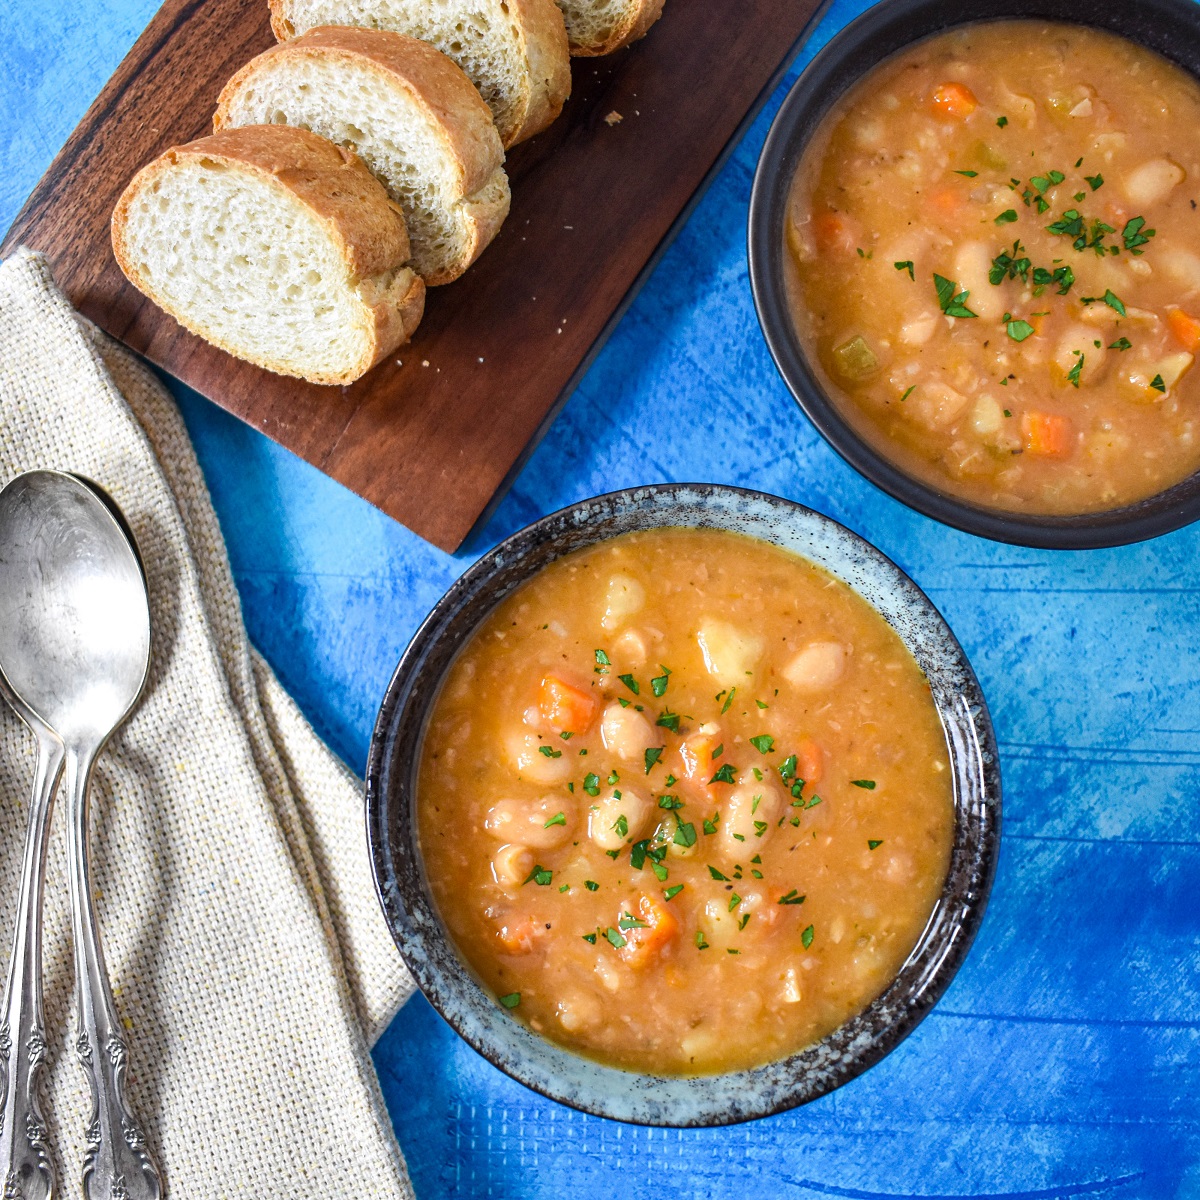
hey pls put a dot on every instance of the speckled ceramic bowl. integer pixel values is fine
(1170, 27)
(449, 983)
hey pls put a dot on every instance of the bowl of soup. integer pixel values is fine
(975, 257)
(683, 805)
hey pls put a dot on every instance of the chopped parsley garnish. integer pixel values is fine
(653, 754)
(685, 833)
(1009, 266)
(566, 735)
(951, 301)
(1121, 344)
(658, 685)
(612, 854)
(1042, 279)
(760, 704)
(602, 659)
(734, 901)
(566, 887)
(1007, 217)
(792, 897)
(1110, 298)
(764, 743)
(757, 858)
(550, 752)
(628, 921)
(666, 801)
(1095, 181)
(757, 774)
(1017, 329)
(591, 783)
(539, 875)
(557, 819)
(1157, 384)
(613, 777)
(908, 391)
(869, 784)
(1002, 121)
(590, 937)
(760, 827)
(1074, 373)
(631, 684)
(728, 701)
(874, 845)
(672, 892)
(724, 775)
(659, 870)
(1079, 196)
(1135, 234)
(756, 873)
(717, 874)
(813, 802)
(669, 720)
(615, 938)
(701, 944)
(621, 825)
(906, 265)
(806, 938)
(968, 174)
(787, 768)
(646, 849)
(591, 885)
(718, 752)
(711, 826)
(511, 1000)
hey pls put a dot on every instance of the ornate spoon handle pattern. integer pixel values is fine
(26, 1171)
(117, 1165)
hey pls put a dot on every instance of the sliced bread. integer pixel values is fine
(412, 116)
(275, 245)
(602, 26)
(514, 51)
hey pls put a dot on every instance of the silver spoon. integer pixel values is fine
(75, 651)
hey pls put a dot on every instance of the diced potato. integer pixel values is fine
(1076, 343)
(719, 925)
(935, 404)
(748, 819)
(623, 597)
(541, 824)
(1172, 368)
(537, 759)
(1153, 181)
(817, 667)
(987, 417)
(627, 733)
(730, 653)
(604, 818)
(578, 1011)
(855, 360)
(1183, 266)
(919, 330)
(630, 648)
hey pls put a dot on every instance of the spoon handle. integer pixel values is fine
(117, 1165)
(25, 1166)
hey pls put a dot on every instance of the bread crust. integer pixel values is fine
(543, 38)
(434, 82)
(339, 190)
(633, 28)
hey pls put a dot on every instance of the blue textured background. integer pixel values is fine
(1064, 1060)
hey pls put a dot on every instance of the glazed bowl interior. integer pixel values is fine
(404, 891)
(1169, 27)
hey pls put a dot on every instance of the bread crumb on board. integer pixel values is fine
(613, 118)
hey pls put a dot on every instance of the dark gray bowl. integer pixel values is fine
(400, 877)
(1170, 27)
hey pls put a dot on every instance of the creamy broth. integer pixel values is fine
(684, 802)
(994, 257)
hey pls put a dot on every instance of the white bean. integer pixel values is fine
(817, 667)
(604, 819)
(630, 648)
(748, 818)
(511, 865)
(528, 821)
(971, 266)
(626, 733)
(1153, 181)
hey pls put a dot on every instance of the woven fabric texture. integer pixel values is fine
(249, 959)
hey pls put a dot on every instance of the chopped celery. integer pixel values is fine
(855, 360)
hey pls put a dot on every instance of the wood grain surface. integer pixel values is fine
(433, 435)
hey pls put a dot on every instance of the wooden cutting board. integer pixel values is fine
(434, 435)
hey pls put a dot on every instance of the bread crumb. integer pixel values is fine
(424, 362)
(613, 118)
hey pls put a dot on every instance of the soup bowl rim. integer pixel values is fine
(1168, 27)
(423, 939)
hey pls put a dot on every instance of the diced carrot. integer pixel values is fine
(810, 761)
(1046, 434)
(1037, 320)
(954, 100)
(519, 935)
(832, 232)
(947, 200)
(1185, 328)
(695, 755)
(565, 707)
(643, 942)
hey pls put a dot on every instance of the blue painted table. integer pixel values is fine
(1065, 1059)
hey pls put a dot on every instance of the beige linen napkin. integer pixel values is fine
(248, 955)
